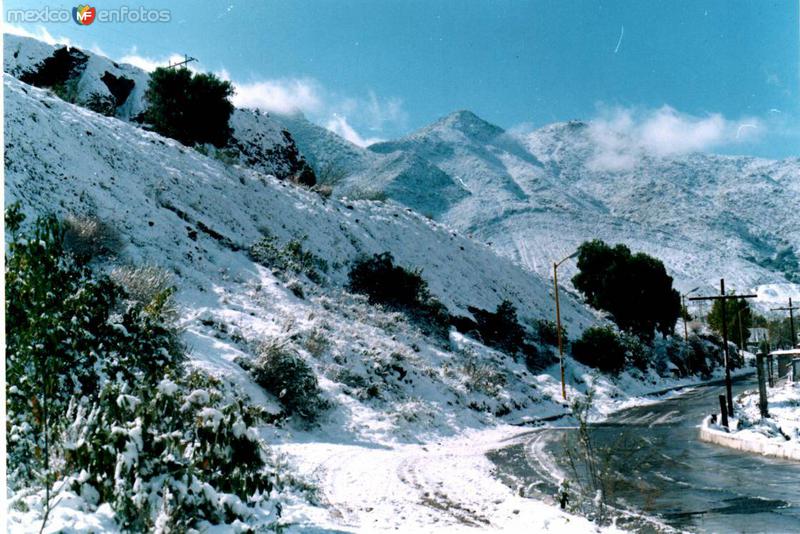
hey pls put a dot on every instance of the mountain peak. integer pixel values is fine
(467, 123)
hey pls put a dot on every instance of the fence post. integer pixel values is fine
(723, 410)
(762, 385)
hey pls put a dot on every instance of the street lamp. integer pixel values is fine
(558, 322)
(683, 303)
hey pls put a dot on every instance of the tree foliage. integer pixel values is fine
(601, 348)
(189, 108)
(98, 396)
(738, 316)
(634, 288)
(400, 289)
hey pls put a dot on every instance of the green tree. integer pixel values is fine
(189, 108)
(601, 348)
(634, 288)
(738, 316)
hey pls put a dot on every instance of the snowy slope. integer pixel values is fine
(257, 141)
(535, 197)
(196, 217)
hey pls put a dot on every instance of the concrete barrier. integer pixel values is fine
(788, 451)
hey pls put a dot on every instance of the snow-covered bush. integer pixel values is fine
(67, 332)
(97, 393)
(87, 237)
(637, 354)
(699, 357)
(316, 342)
(399, 289)
(502, 330)
(103, 104)
(279, 369)
(180, 453)
(290, 258)
(483, 377)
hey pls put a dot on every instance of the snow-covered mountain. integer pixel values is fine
(536, 196)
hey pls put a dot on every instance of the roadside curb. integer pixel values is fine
(765, 448)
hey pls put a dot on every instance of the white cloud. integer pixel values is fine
(280, 96)
(345, 116)
(339, 125)
(40, 34)
(623, 136)
(373, 112)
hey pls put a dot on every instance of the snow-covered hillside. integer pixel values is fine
(534, 197)
(197, 217)
(118, 90)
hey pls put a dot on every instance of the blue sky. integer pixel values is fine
(724, 75)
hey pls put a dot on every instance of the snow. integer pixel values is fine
(167, 387)
(441, 486)
(777, 434)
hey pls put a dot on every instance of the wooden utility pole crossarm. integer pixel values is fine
(724, 298)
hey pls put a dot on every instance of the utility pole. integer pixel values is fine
(724, 298)
(741, 330)
(558, 323)
(790, 309)
(186, 60)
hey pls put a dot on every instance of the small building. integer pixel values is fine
(784, 360)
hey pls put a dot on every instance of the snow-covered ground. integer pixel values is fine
(778, 434)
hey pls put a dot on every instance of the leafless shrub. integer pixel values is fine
(87, 237)
(150, 286)
(316, 342)
(482, 377)
(323, 190)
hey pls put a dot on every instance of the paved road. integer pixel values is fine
(662, 469)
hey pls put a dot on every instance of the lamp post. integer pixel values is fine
(558, 323)
(685, 320)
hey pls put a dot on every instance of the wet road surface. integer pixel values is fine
(662, 469)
